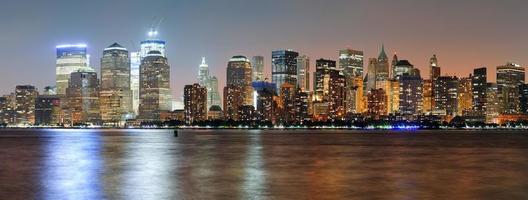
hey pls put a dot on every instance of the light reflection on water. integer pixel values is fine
(72, 166)
(229, 164)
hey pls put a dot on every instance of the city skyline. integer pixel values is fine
(191, 36)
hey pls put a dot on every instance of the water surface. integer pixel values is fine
(267, 164)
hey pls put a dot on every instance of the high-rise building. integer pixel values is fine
(195, 102)
(351, 62)
(70, 58)
(434, 68)
(152, 44)
(323, 68)
(25, 104)
(135, 62)
(427, 96)
(265, 104)
(492, 102)
(336, 95)
(401, 68)
(479, 86)
(239, 74)
(303, 73)
(284, 67)
(377, 103)
(115, 93)
(203, 73)
(446, 94)
(210, 83)
(465, 96)
(509, 78)
(393, 96)
(523, 90)
(287, 95)
(257, 62)
(47, 110)
(233, 100)
(302, 106)
(83, 98)
(155, 94)
(8, 109)
(213, 94)
(411, 94)
(378, 71)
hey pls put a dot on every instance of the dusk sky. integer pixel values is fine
(464, 34)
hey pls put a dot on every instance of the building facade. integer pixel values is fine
(155, 93)
(116, 95)
(284, 67)
(195, 103)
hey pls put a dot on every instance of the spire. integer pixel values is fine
(203, 61)
(382, 55)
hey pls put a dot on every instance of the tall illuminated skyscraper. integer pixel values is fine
(70, 58)
(83, 98)
(154, 83)
(210, 83)
(479, 85)
(239, 73)
(284, 67)
(303, 73)
(115, 94)
(509, 79)
(434, 68)
(257, 62)
(135, 62)
(195, 101)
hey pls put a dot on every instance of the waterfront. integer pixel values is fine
(263, 164)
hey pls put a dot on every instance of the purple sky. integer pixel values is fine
(463, 34)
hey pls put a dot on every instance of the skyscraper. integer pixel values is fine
(25, 104)
(465, 96)
(135, 61)
(509, 78)
(239, 74)
(210, 83)
(70, 58)
(233, 101)
(434, 68)
(479, 84)
(155, 94)
(378, 71)
(47, 110)
(351, 62)
(195, 103)
(492, 102)
(303, 73)
(115, 94)
(401, 68)
(257, 62)
(284, 67)
(446, 94)
(336, 96)
(523, 90)
(203, 74)
(83, 98)
(411, 94)
(323, 67)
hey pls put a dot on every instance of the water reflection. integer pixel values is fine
(72, 166)
(232, 164)
(254, 186)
